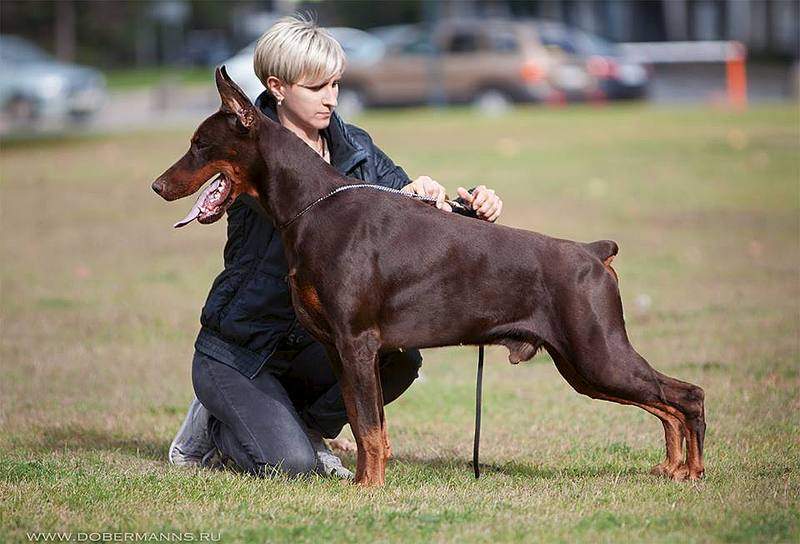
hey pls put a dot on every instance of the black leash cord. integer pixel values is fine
(458, 205)
(478, 388)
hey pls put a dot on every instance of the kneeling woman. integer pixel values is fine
(267, 393)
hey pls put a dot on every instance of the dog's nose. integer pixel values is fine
(158, 186)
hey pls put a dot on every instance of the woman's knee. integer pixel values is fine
(295, 461)
(203, 382)
(403, 364)
(291, 459)
(398, 372)
(299, 461)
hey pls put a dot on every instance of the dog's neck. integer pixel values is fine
(295, 175)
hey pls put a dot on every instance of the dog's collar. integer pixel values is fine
(356, 186)
(458, 205)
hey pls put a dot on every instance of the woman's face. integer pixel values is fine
(310, 103)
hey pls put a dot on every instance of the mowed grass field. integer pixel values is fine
(101, 299)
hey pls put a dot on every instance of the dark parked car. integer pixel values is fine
(616, 76)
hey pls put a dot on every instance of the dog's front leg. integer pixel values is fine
(361, 390)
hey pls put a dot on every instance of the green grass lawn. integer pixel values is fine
(101, 298)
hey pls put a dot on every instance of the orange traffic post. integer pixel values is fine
(736, 75)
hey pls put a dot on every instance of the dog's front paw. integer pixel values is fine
(679, 474)
(660, 469)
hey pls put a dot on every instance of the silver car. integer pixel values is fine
(38, 91)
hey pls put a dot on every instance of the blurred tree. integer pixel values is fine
(65, 30)
(111, 34)
(89, 31)
(364, 15)
(32, 20)
(127, 32)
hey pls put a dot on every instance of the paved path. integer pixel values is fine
(171, 105)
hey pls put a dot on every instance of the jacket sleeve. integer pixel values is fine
(387, 172)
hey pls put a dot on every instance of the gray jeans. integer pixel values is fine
(260, 423)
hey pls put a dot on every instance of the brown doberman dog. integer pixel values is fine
(367, 267)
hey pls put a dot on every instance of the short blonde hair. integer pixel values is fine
(296, 48)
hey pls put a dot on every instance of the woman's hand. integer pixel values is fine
(426, 186)
(484, 201)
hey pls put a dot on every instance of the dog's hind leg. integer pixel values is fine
(599, 361)
(357, 363)
(387, 451)
(689, 399)
(673, 428)
(673, 436)
(651, 397)
(628, 379)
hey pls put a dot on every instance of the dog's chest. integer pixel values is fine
(308, 306)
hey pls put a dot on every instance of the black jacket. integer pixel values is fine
(249, 312)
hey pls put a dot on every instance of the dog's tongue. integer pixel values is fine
(195, 211)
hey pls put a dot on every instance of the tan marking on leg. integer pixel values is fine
(694, 460)
(692, 468)
(374, 464)
(387, 445)
(673, 466)
(371, 454)
(673, 436)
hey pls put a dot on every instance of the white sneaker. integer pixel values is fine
(192, 443)
(327, 463)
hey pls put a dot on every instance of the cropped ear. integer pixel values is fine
(233, 98)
